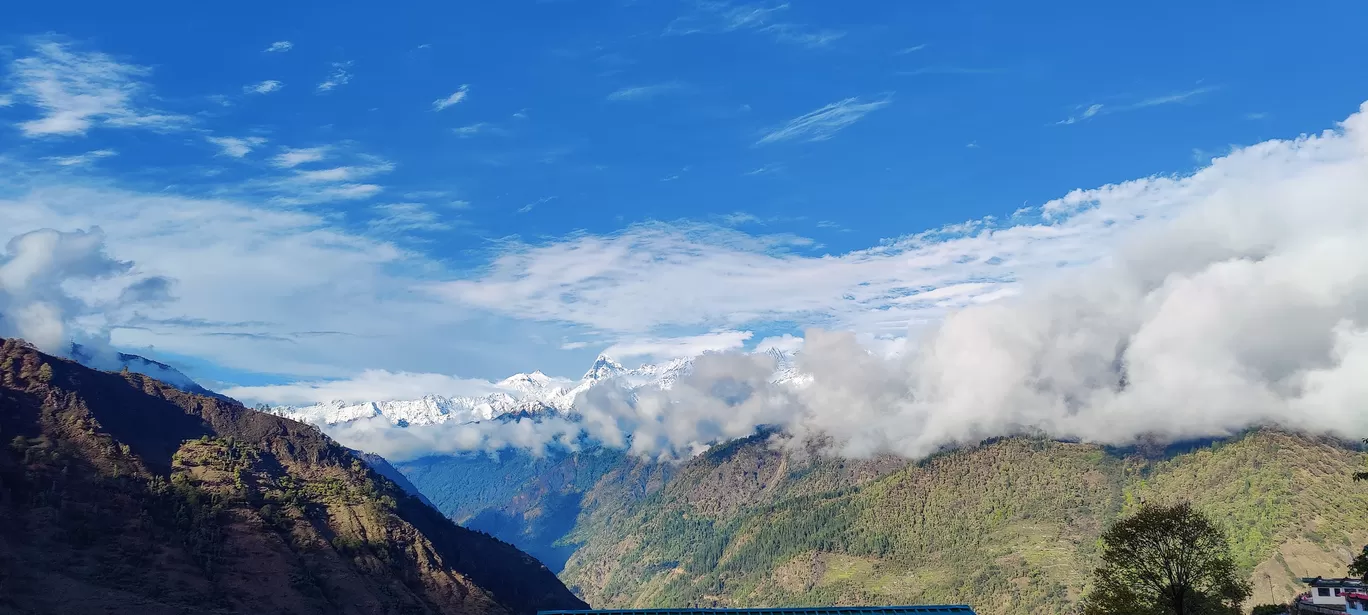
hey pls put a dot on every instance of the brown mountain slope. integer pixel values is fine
(119, 494)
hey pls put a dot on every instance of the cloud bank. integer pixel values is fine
(1240, 300)
(57, 288)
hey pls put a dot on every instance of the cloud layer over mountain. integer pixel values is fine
(1242, 300)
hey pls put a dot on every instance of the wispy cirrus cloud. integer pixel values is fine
(340, 76)
(81, 159)
(344, 173)
(293, 157)
(76, 90)
(1095, 109)
(278, 47)
(645, 92)
(824, 123)
(236, 147)
(480, 128)
(1088, 112)
(406, 217)
(263, 87)
(802, 35)
(950, 70)
(456, 98)
(715, 17)
(533, 205)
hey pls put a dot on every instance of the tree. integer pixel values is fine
(1166, 560)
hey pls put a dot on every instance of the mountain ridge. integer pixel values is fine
(532, 393)
(1008, 525)
(126, 494)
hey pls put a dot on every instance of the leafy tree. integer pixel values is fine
(1269, 609)
(1166, 560)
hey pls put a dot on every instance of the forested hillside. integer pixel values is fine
(121, 494)
(532, 502)
(1010, 526)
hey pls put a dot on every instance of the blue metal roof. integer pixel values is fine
(815, 610)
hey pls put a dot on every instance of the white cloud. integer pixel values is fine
(78, 90)
(787, 342)
(652, 276)
(343, 174)
(716, 17)
(765, 169)
(913, 49)
(6, 100)
(455, 98)
(81, 159)
(337, 183)
(291, 158)
(471, 130)
(1176, 97)
(644, 92)
(533, 205)
(824, 123)
(478, 128)
(339, 76)
(1088, 112)
(236, 147)
(264, 87)
(279, 46)
(1166, 99)
(51, 280)
(234, 304)
(666, 348)
(369, 385)
(802, 35)
(1231, 298)
(401, 217)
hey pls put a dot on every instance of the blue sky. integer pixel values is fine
(472, 189)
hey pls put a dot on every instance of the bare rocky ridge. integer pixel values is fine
(121, 494)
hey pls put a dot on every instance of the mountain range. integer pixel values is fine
(123, 494)
(131, 495)
(519, 394)
(1009, 525)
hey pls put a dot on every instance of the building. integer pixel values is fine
(833, 610)
(1331, 594)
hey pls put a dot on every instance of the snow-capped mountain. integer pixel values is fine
(519, 395)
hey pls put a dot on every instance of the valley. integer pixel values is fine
(1010, 525)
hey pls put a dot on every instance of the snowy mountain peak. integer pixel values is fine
(604, 367)
(526, 383)
(518, 396)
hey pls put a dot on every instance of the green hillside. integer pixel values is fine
(1010, 526)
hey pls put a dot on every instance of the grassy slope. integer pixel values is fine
(1010, 526)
